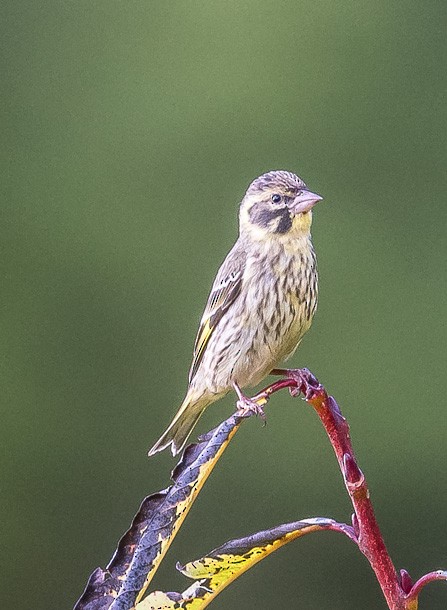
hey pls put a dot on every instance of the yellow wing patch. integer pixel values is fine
(220, 299)
(203, 336)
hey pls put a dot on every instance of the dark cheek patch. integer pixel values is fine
(285, 222)
(268, 218)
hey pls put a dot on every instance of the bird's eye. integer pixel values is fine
(276, 198)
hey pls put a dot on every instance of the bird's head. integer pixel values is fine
(277, 204)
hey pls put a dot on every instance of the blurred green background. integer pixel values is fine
(130, 134)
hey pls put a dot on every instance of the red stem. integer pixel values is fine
(370, 539)
(398, 592)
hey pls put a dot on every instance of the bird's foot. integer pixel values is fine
(245, 406)
(306, 383)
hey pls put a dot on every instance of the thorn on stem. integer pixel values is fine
(353, 475)
(333, 405)
(406, 581)
(355, 525)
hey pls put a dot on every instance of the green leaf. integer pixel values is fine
(223, 565)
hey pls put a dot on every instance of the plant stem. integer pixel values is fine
(370, 540)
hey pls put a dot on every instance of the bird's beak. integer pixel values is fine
(304, 202)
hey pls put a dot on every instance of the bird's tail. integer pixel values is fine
(181, 426)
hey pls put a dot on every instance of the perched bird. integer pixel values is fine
(261, 304)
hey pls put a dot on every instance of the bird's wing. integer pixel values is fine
(225, 290)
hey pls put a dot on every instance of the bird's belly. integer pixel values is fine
(247, 345)
(270, 342)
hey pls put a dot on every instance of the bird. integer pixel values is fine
(261, 303)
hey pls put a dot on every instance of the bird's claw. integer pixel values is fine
(245, 407)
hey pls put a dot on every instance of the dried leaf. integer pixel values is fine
(154, 527)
